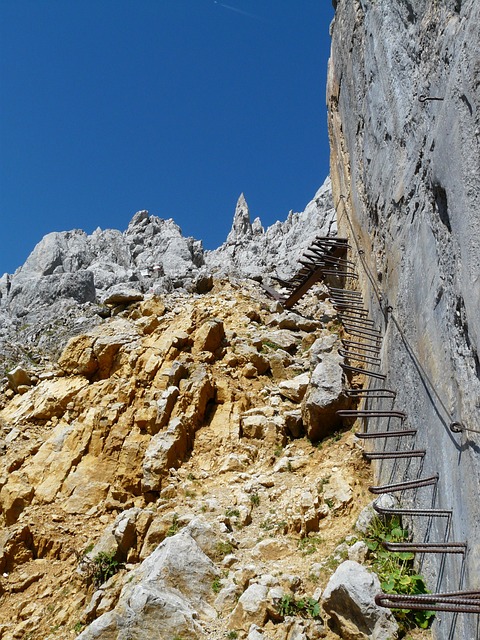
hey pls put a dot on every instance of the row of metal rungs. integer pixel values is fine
(361, 356)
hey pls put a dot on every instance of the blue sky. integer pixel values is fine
(175, 106)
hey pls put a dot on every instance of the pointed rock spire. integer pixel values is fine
(241, 227)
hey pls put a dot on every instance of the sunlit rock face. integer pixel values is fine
(404, 124)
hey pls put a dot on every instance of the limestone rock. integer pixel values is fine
(252, 608)
(250, 251)
(166, 449)
(349, 600)
(16, 547)
(295, 388)
(167, 595)
(368, 514)
(120, 294)
(210, 336)
(323, 398)
(18, 376)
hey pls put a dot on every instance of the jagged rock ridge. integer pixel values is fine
(57, 292)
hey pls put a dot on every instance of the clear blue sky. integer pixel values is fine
(175, 106)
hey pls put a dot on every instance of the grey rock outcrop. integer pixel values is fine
(167, 596)
(349, 600)
(404, 124)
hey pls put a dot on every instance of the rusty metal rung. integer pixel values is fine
(340, 307)
(371, 413)
(368, 393)
(346, 291)
(357, 311)
(455, 602)
(426, 547)
(362, 331)
(362, 322)
(360, 357)
(393, 455)
(359, 345)
(402, 486)
(340, 274)
(437, 513)
(358, 314)
(365, 372)
(385, 434)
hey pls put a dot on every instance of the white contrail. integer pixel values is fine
(243, 13)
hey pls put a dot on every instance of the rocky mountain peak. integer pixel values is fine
(241, 227)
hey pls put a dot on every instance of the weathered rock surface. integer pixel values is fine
(349, 599)
(161, 441)
(166, 596)
(403, 94)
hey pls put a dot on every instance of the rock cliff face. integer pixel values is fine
(404, 121)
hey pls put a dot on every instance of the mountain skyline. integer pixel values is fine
(174, 107)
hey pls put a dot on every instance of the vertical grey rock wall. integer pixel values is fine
(404, 124)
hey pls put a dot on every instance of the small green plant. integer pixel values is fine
(278, 451)
(329, 502)
(396, 570)
(104, 567)
(216, 585)
(232, 513)
(190, 476)
(305, 607)
(232, 635)
(174, 527)
(255, 499)
(88, 549)
(78, 626)
(269, 344)
(323, 481)
(223, 549)
(309, 544)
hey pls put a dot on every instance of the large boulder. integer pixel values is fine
(166, 597)
(349, 601)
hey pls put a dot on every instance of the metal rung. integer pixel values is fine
(437, 513)
(362, 332)
(344, 306)
(360, 321)
(368, 393)
(360, 357)
(338, 261)
(371, 413)
(340, 274)
(402, 486)
(358, 314)
(455, 602)
(393, 455)
(347, 306)
(386, 434)
(426, 547)
(359, 345)
(365, 372)
(346, 291)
